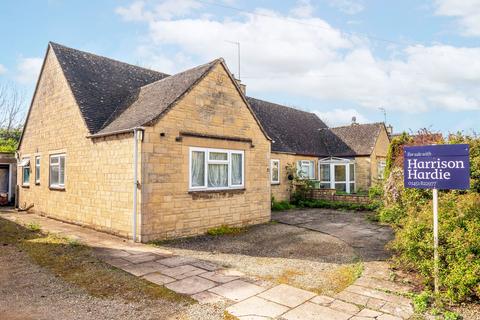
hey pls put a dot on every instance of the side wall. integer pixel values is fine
(281, 191)
(98, 174)
(212, 107)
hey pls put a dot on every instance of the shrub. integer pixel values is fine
(281, 205)
(459, 242)
(422, 301)
(329, 204)
(392, 214)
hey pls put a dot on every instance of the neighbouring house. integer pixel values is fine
(146, 155)
(8, 177)
(349, 159)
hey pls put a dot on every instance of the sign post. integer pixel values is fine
(437, 167)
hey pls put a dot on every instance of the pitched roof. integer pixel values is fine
(291, 130)
(148, 102)
(352, 140)
(100, 84)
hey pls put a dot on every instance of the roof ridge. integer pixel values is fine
(357, 124)
(283, 106)
(51, 43)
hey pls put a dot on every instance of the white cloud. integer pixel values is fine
(166, 9)
(28, 70)
(306, 57)
(466, 11)
(2, 69)
(304, 9)
(341, 117)
(347, 6)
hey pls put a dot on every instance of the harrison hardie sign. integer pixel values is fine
(444, 166)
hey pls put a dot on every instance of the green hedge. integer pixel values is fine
(327, 204)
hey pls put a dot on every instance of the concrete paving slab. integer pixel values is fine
(322, 300)
(190, 285)
(140, 258)
(182, 272)
(344, 307)
(388, 317)
(369, 313)
(257, 307)
(206, 265)
(287, 295)
(395, 309)
(237, 290)
(354, 298)
(313, 311)
(117, 262)
(218, 276)
(208, 297)
(158, 278)
(177, 261)
(142, 269)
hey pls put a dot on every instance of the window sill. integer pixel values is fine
(274, 183)
(25, 186)
(56, 188)
(209, 194)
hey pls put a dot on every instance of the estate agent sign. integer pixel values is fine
(445, 166)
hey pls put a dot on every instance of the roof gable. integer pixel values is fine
(100, 84)
(147, 103)
(291, 130)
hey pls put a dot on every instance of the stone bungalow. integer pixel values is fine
(148, 155)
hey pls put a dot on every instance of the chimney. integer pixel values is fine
(389, 129)
(243, 87)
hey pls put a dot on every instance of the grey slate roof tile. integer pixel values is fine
(291, 130)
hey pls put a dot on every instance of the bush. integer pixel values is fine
(392, 214)
(281, 205)
(459, 242)
(329, 204)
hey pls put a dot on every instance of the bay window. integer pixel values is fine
(215, 169)
(57, 171)
(338, 174)
(275, 171)
(306, 169)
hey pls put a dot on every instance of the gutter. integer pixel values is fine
(99, 135)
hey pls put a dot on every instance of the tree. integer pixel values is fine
(12, 103)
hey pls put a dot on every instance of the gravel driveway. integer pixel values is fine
(276, 252)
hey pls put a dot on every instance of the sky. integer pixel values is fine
(414, 62)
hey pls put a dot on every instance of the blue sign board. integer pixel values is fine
(445, 166)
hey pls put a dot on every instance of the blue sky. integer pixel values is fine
(420, 60)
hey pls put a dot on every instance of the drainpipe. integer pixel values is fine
(135, 184)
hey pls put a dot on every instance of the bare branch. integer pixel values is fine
(12, 106)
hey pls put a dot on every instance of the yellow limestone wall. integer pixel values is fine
(281, 191)
(212, 107)
(99, 177)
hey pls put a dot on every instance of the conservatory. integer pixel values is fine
(337, 173)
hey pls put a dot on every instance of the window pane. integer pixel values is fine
(352, 172)
(311, 171)
(54, 175)
(62, 171)
(217, 175)
(324, 185)
(37, 169)
(26, 175)
(236, 169)
(341, 187)
(275, 173)
(352, 187)
(325, 172)
(340, 172)
(218, 156)
(198, 169)
(54, 160)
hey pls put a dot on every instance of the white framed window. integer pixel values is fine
(381, 169)
(25, 164)
(37, 170)
(57, 171)
(337, 173)
(275, 171)
(306, 169)
(216, 169)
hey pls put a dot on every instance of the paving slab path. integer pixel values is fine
(372, 296)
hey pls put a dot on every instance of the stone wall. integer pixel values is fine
(281, 191)
(330, 194)
(211, 109)
(98, 175)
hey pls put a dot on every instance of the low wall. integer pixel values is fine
(330, 194)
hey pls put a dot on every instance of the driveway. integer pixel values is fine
(367, 239)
